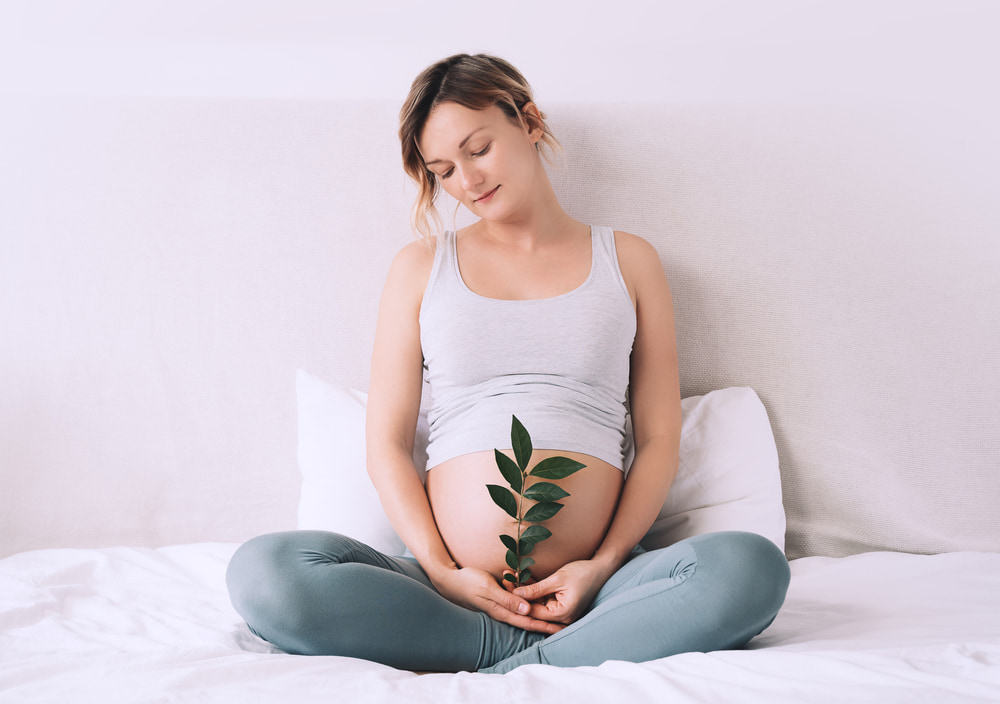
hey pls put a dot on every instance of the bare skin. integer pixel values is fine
(470, 522)
(523, 247)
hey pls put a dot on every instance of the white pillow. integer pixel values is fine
(337, 494)
(727, 480)
(728, 475)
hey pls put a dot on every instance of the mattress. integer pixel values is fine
(135, 624)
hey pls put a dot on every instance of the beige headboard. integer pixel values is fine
(167, 265)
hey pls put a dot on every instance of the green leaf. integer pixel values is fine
(509, 542)
(520, 441)
(503, 498)
(542, 511)
(544, 491)
(524, 564)
(510, 471)
(524, 576)
(535, 534)
(556, 468)
(512, 579)
(511, 560)
(525, 548)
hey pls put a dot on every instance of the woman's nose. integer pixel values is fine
(470, 176)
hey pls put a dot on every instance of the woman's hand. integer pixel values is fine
(565, 595)
(478, 590)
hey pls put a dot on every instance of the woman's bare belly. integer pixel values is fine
(470, 523)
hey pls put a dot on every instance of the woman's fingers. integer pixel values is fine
(537, 590)
(504, 596)
(526, 623)
(478, 590)
(506, 607)
(506, 583)
(545, 599)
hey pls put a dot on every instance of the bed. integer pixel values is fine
(142, 624)
(188, 306)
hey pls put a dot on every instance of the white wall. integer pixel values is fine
(146, 245)
(629, 50)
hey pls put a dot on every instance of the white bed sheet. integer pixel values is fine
(131, 625)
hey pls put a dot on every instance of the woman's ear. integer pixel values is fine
(533, 121)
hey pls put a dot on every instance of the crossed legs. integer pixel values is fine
(318, 593)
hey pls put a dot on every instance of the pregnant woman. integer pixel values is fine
(524, 313)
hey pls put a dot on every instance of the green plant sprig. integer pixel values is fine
(546, 494)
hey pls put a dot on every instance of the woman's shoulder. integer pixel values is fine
(411, 268)
(636, 256)
(416, 258)
(634, 246)
(640, 266)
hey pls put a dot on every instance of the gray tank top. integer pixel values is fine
(560, 364)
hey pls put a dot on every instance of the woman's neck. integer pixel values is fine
(538, 221)
(544, 222)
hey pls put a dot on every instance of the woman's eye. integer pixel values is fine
(447, 173)
(482, 151)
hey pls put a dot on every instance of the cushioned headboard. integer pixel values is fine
(844, 263)
(169, 264)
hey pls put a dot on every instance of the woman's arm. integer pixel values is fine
(654, 397)
(393, 407)
(655, 403)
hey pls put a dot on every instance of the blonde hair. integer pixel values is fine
(477, 82)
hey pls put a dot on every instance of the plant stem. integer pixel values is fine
(520, 518)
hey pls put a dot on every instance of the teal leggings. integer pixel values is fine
(318, 593)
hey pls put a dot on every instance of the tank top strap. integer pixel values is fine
(444, 272)
(446, 278)
(606, 256)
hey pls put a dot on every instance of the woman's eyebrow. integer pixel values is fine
(461, 144)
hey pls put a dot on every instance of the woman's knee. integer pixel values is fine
(280, 582)
(265, 573)
(770, 571)
(750, 564)
(254, 571)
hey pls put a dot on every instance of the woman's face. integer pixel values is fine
(481, 158)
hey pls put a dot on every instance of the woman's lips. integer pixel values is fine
(483, 199)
